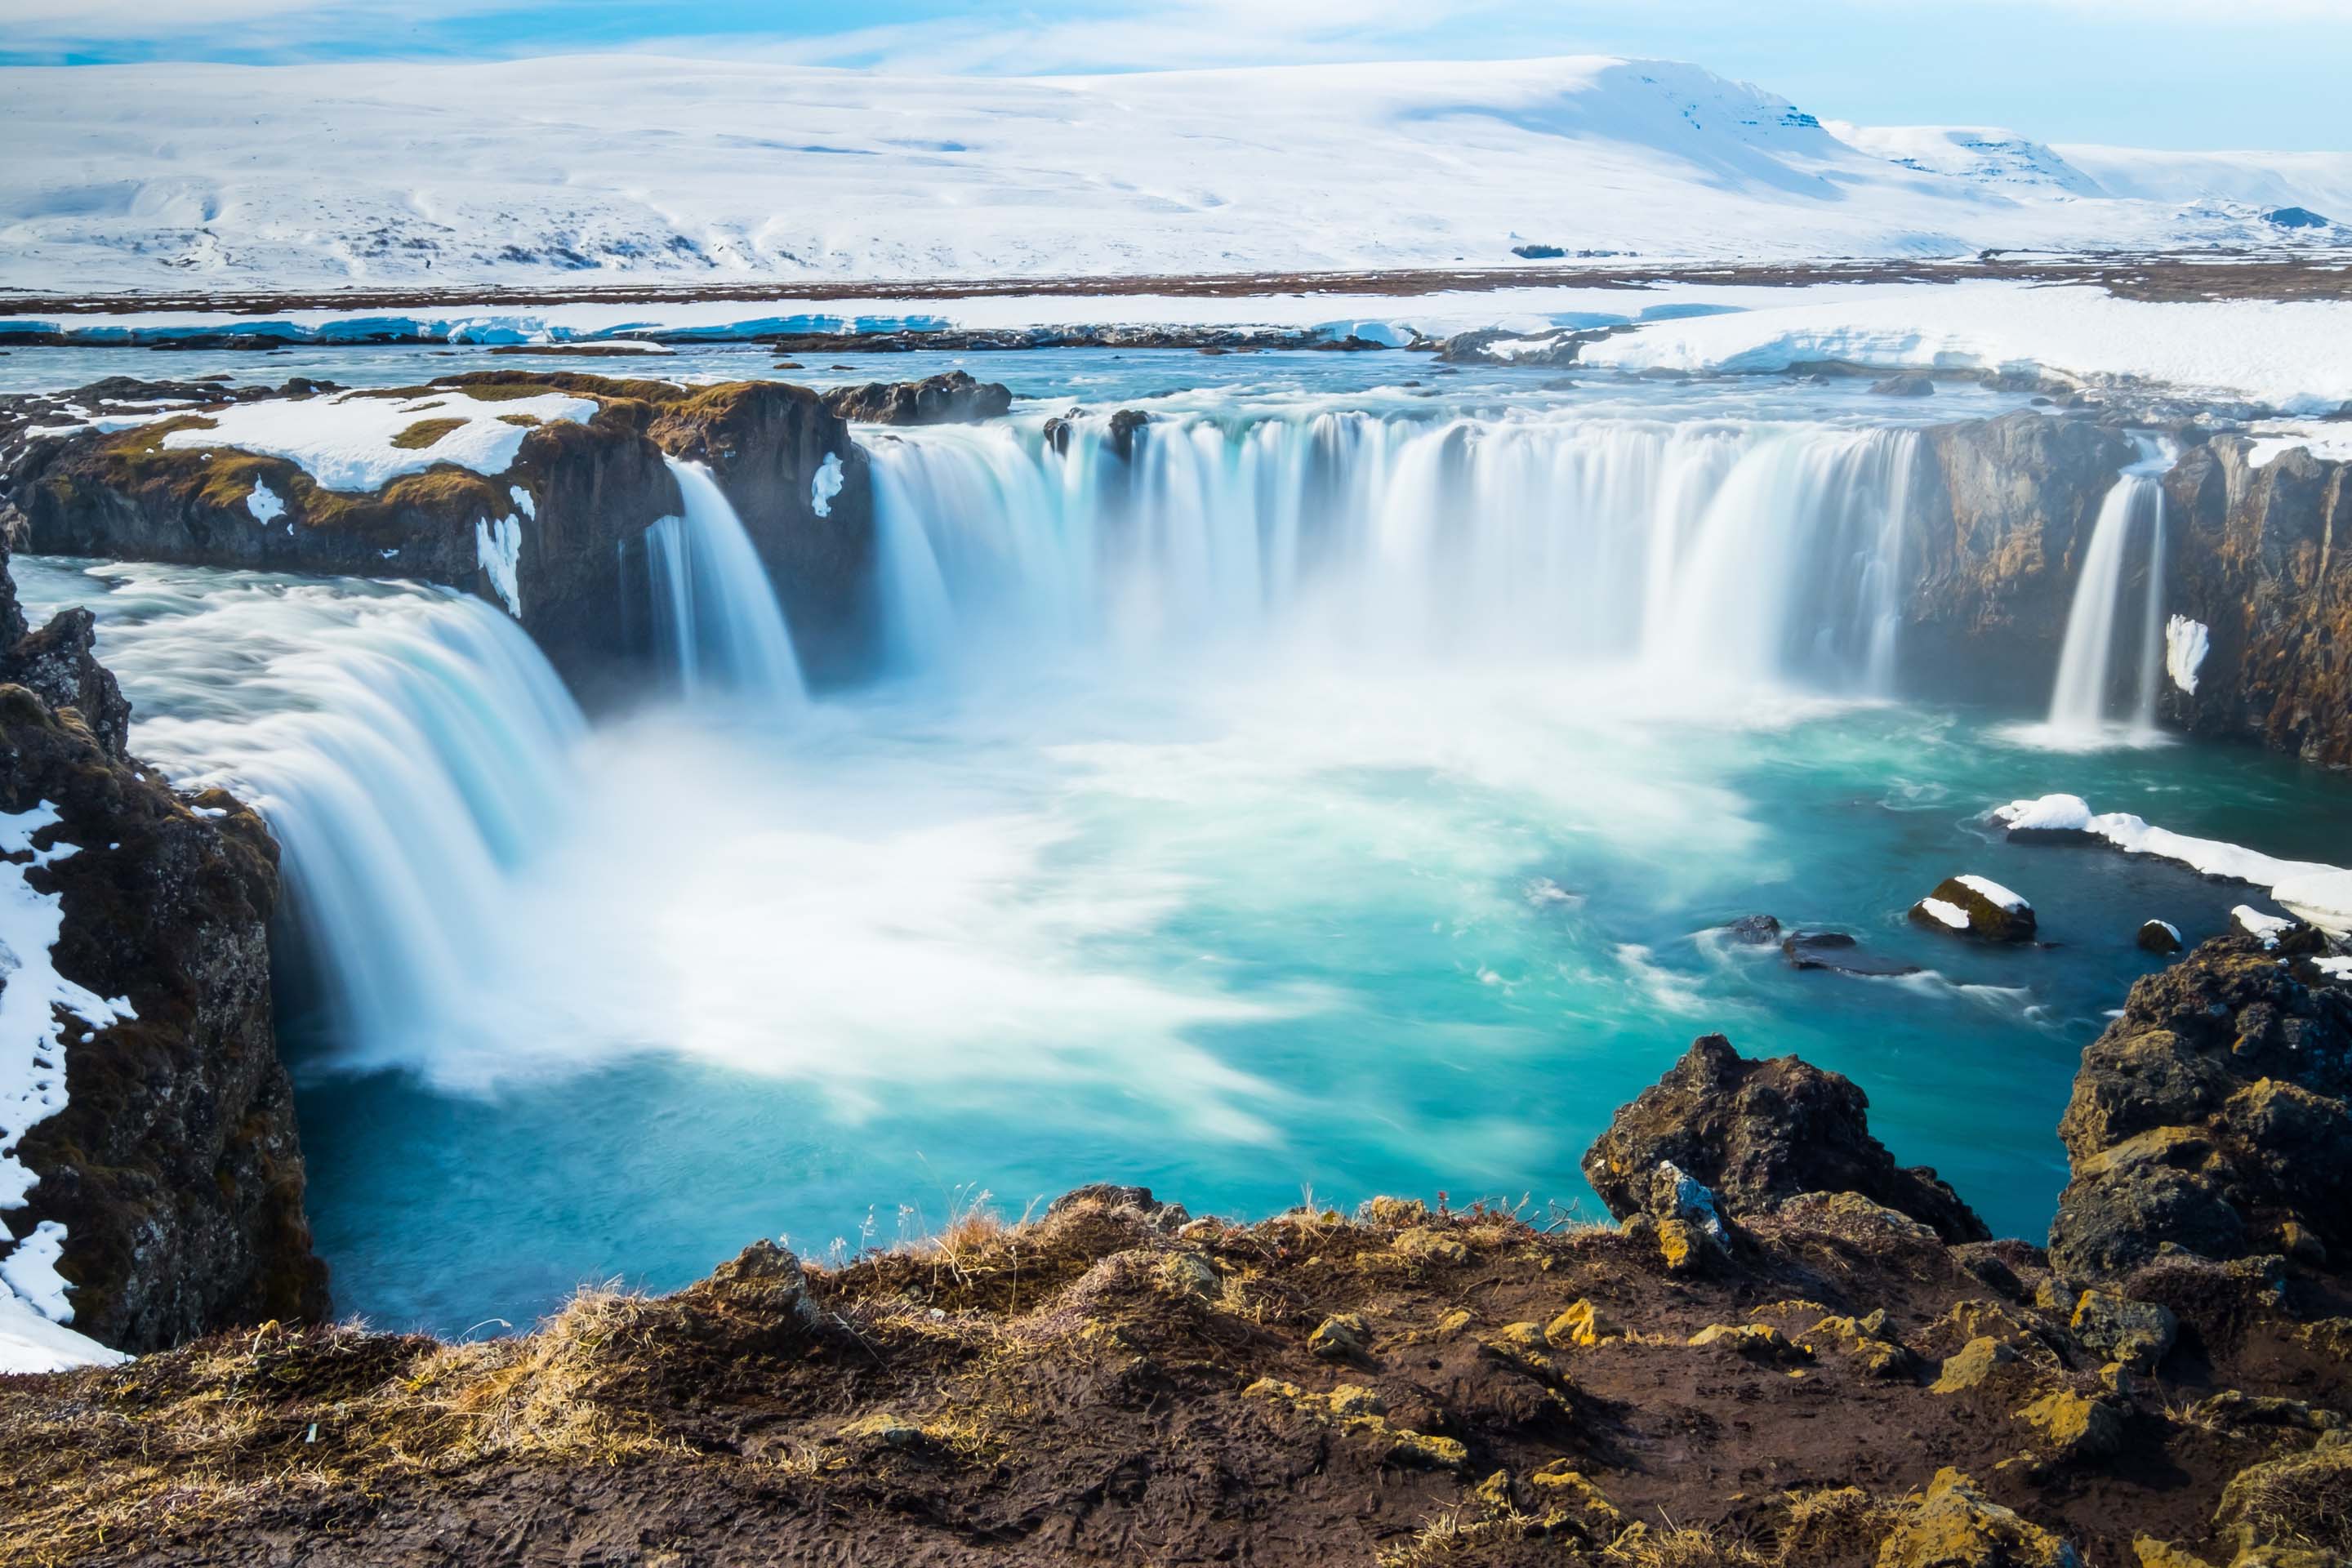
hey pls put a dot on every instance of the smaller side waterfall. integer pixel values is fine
(716, 621)
(2084, 695)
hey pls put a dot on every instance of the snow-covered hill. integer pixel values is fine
(1985, 154)
(609, 168)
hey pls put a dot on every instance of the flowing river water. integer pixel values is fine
(1340, 796)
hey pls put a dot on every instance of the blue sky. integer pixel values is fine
(2161, 73)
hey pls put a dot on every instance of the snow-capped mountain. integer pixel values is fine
(608, 169)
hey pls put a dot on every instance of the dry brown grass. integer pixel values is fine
(2303, 1500)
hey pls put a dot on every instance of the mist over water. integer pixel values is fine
(1326, 796)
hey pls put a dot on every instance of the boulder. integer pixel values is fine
(168, 1177)
(2210, 1117)
(2159, 936)
(1753, 931)
(1754, 1133)
(1975, 907)
(2136, 1333)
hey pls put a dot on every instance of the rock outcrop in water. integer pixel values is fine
(172, 1165)
(1408, 1387)
(548, 537)
(2261, 560)
(2209, 1121)
(954, 398)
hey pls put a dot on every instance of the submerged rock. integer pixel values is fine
(1975, 907)
(1836, 951)
(1755, 1133)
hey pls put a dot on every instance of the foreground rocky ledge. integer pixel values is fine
(1788, 1350)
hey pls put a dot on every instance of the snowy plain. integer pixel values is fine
(602, 168)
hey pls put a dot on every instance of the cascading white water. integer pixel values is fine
(2084, 695)
(410, 749)
(717, 624)
(1726, 549)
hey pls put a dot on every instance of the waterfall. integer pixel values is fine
(2082, 696)
(716, 621)
(411, 751)
(1749, 552)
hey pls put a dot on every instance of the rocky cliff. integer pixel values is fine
(543, 527)
(152, 1156)
(2002, 512)
(2262, 558)
(2255, 557)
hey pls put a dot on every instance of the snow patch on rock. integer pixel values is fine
(264, 504)
(345, 443)
(1995, 892)
(1951, 915)
(826, 486)
(2320, 893)
(2186, 643)
(33, 995)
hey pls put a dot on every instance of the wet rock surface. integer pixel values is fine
(173, 1165)
(1838, 952)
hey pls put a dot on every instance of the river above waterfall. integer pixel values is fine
(1338, 803)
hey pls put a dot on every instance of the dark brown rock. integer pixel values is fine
(173, 1165)
(954, 398)
(1756, 1132)
(1835, 949)
(2211, 1118)
(2257, 555)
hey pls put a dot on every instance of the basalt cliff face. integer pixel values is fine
(2261, 557)
(2001, 511)
(555, 537)
(2256, 558)
(1788, 1353)
(172, 1163)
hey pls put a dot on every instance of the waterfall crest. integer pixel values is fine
(411, 751)
(717, 625)
(1748, 552)
(2086, 698)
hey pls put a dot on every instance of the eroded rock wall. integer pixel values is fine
(173, 1166)
(2261, 556)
